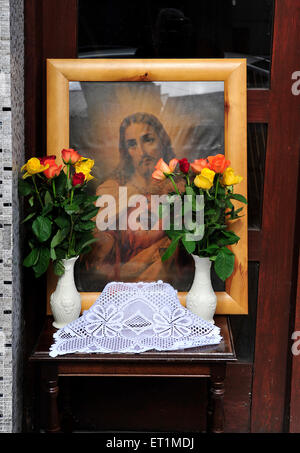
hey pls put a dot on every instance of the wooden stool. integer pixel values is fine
(207, 362)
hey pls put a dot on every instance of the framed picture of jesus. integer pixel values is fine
(125, 115)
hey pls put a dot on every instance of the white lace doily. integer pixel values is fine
(135, 317)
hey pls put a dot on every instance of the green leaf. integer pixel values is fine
(86, 250)
(89, 215)
(31, 201)
(58, 267)
(32, 258)
(211, 249)
(228, 204)
(224, 263)
(172, 234)
(84, 226)
(46, 209)
(32, 214)
(72, 208)
(42, 227)
(171, 249)
(238, 197)
(86, 244)
(43, 262)
(91, 198)
(48, 198)
(234, 214)
(53, 254)
(229, 237)
(59, 237)
(25, 188)
(62, 222)
(189, 245)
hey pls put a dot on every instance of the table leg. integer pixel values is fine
(209, 410)
(50, 385)
(66, 407)
(216, 416)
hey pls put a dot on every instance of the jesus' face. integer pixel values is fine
(144, 147)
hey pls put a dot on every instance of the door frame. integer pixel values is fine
(274, 380)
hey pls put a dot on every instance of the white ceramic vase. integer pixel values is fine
(65, 301)
(201, 299)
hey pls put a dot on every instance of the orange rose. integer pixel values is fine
(198, 165)
(70, 156)
(52, 171)
(218, 163)
(162, 169)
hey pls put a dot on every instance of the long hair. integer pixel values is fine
(126, 167)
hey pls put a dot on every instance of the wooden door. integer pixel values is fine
(274, 117)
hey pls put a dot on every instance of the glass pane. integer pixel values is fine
(203, 29)
(257, 142)
(126, 128)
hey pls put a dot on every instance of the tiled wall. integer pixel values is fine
(11, 157)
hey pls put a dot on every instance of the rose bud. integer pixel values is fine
(70, 156)
(184, 165)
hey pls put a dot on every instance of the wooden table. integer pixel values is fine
(209, 362)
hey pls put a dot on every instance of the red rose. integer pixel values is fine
(50, 160)
(184, 165)
(78, 179)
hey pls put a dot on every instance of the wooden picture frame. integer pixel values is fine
(234, 300)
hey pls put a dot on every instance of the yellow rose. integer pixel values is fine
(205, 180)
(230, 178)
(85, 165)
(88, 176)
(33, 166)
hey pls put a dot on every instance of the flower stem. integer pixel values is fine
(72, 194)
(217, 186)
(53, 188)
(70, 237)
(37, 192)
(188, 180)
(174, 185)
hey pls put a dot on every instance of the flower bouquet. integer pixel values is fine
(209, 191)
(59, 221)
(214, 180)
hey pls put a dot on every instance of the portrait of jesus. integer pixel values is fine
(144, 136)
